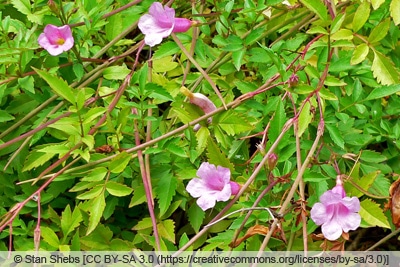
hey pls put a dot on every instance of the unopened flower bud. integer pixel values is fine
(235, 188)
(183, 25)
(271, 161)
(293, 80)
(52, 6)
(201, 101)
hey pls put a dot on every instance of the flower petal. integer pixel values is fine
(164, 16)
(224, 194)
(338, 189)
(330, 197)
(153, 33)
(55, 50)
(205, 202)
(332, 230)
(318, 213)
(352, 204)
(350, 222)
(196, 187)
(51, 36)
(52, 33)
(214, 177)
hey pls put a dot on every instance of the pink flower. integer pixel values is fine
(160, 22)
(56, 39)
(336, 212)
(214, 185)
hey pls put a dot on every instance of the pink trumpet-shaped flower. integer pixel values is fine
(56, 39)
(213, 185)
(160, 23)
(336, 212)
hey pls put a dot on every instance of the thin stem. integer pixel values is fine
(147, 187)
(256, 202)
(32, 132)
(383, 240)
(37, 230)
(294, 186)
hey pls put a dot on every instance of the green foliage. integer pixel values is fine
(103, 134)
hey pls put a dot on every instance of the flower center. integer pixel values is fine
(60, 41)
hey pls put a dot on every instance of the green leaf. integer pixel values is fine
(364, 182)
(361, 16)
(139, 196)
(177, 150)
(372, 214)
(335, 135)
(253, 36)
(182, 113)
(196, 216)
(36, 159)
(58, 85)
(232, 122)
(337, 22)
(326, 94)
(315, 29)
(379, 32)
(381, 186)
(317, 7)
(164, 64)
(360, 53)
(166, 190)
(217, 157)
(333, 81)
(119, 163)
(159, 93)
(166, 49)
(184, 240)
(143, 224)
(23, 6)
(372, 156)
(116, 72)
(384, 70)
(202, 136)
(49, 236)
(92, 193)
(377, 3)
(27, 84)
(61, 149)
(277, 122)
(237, 57)
(5, 116)
(88, 140)
(93, 113)
(342, 34)
(383, 91)
(96, 211)
(117, 189)
(69, 221)
(305, 118)
(275, 58)
(166, 229)
(394, 11)
(114, 26)
(78, 70)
